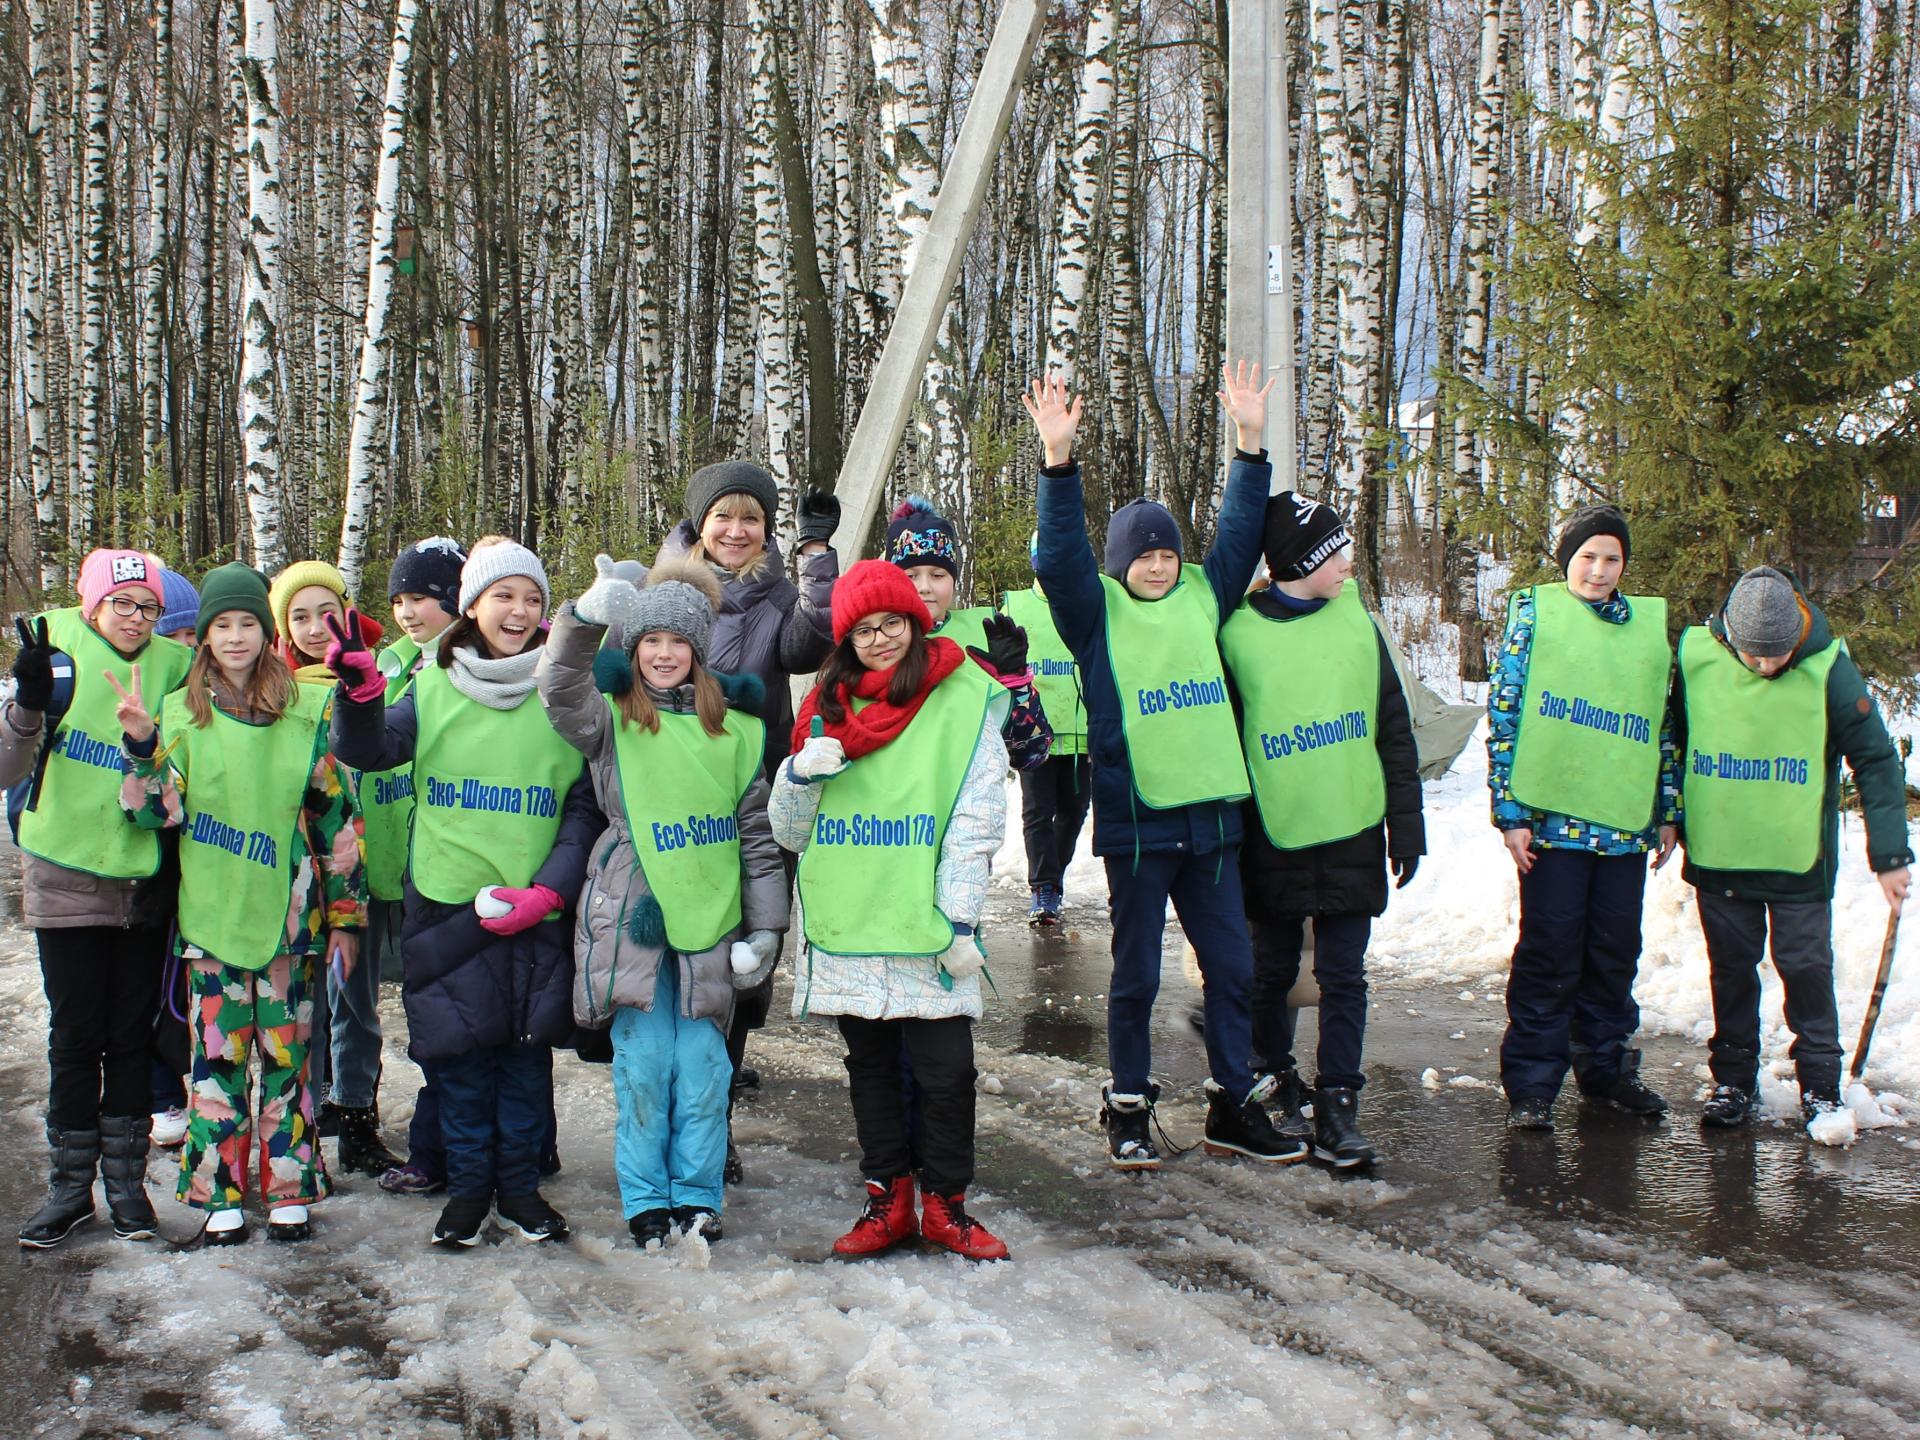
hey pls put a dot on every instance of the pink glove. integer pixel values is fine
(351, 661)
(530, 907)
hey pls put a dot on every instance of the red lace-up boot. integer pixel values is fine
(944, 1221)
(887, 1220)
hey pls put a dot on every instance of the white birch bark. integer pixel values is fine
(770, 263)
(846, 207)
(260, 290)
(93, 280)
(561, 243)
(33, 303)
(368, 447)
(159, 188)
(1092, 124)
(1485, 135)
(641, 57)
(325, 139)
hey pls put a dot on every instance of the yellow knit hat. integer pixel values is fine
(295, 578)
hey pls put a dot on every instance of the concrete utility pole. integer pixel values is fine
(963, 189)
(1260, 216)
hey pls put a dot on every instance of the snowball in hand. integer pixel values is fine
(745, 962)
(489, 906)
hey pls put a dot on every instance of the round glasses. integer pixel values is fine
(865, 636)
(126, 607)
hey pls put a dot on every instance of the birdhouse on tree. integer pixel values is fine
(476, 333)
(405, 238)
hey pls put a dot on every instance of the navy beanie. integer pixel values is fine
(1136, 528)
(917, 534)
(429, 567)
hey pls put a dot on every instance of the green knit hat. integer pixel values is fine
(234, 587)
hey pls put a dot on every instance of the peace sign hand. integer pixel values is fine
(132, 715)
(350, 660)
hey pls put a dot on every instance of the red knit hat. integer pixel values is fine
(874, 586)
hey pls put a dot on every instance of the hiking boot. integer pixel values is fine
(887, 1220)
(462, 1222)
(1337, 1140)
(362, 1150)
(1287, 1105)
(1127, 1120)
(69, 1189)
(1044, 911)
(944, 1222)
(1242, 1127)
(1530, 1112)
(650, 1226)
(1730, 1106)
(1626, 1091)
(123, 1169)
(688, 1218)
(530, 1217)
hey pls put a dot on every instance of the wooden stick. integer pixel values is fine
(1879, 994)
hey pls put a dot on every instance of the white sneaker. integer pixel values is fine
(170, 1128)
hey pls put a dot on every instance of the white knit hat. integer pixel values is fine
(489, 563)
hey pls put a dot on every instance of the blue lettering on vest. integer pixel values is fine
(255, 845)
(1783, 769)
(1314, 735)
(1583, 712)
(79, 745)
(876, 830)
(695, 830)
(1047, 666)
(392, 789)
(1182, 695)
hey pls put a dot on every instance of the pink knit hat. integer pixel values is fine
(107, 572)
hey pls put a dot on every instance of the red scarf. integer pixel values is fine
(882, 721)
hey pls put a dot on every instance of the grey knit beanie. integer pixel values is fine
(681, 598)
(1763, 615)
(489, 563)
(712, 483)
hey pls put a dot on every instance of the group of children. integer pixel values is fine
(586, 825)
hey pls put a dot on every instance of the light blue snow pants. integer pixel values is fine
(670, 1082)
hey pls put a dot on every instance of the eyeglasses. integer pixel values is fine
(126, 608)
(864, 636)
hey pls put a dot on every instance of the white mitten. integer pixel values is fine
(610, 600)
(489, 906)
(753, 958)
(964, 957)
(821, 758)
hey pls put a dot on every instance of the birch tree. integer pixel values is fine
(771, 280)
(1092, 121)
(33, 298)
(260, 291)
(93, 283)
(159, 182)
(369, 442)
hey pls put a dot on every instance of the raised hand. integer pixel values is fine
(352, 663)
(1245, 399)
(33, 667)
(610, 600)
(818, 516)
(1006, 652)
(130, 712)
(1056, 416)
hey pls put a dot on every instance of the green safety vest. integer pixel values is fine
(1056, 675)
(1588, 738)
(386, 796)
(77, 821)
(1310, 710)
(1182, 743)
(243, 787)
(488, 786)
(866, 876)
(681, 789)
(965, 627)
(1753, 786)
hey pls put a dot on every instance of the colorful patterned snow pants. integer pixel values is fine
(233, 1012)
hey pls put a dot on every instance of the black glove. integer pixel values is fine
(1403, 868)
(33, 667)
(819, 515)
(1006, 652)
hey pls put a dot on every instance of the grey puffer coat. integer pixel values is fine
(769, 627)
(611, 967)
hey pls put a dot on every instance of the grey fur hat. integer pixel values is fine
(681, 597)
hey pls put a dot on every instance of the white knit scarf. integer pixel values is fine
(497, 684)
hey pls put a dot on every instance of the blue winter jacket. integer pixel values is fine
(1123, 823)
(466, 988)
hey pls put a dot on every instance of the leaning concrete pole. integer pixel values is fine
(1260, 217)
(963, 189)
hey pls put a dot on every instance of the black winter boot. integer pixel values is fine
(1730, 1106)
(530, 1217)
(1337, 1140)
(69, 1189)
(123, 1167)
(1626, 1091)
(362, 1150)
(1127, 1119)
(1530, 1112)
(1241, 1127)
(1288, 1106)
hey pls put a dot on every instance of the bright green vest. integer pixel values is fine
(78, 822)
(1310, 710)
(866, 876)
(243, 787)
(1056, 676)
(681, 789)
(965, 627)
(386, 796)
(1588, 743)
(1182, 743)
(1753, 788)
(488, 786)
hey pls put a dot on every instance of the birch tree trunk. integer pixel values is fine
(93, 281)
(863, 317)
(153, 456)
(770, 273)
(368, 446)
(562, 242)
(642, 47)
(33, 302)
(327, 259)
(260, 291)
(1092, 120)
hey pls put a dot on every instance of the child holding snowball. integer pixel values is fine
(686, 896)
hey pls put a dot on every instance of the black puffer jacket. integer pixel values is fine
(1346, 877)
